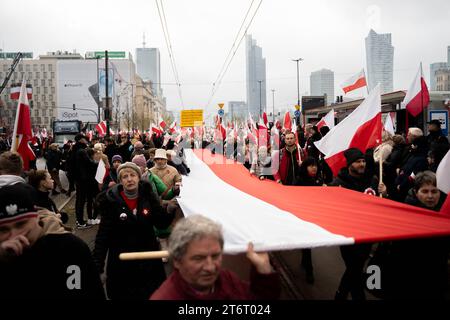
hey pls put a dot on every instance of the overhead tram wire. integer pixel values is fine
(234, 43)
(173, 55)
(169, 49)
(216, 85)
(165, 28)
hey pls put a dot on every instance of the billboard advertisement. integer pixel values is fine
(77, 85)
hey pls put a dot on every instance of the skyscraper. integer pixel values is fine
(256, 77)
(149, 67)
(380, 61)
(433, 68)
(322, 82)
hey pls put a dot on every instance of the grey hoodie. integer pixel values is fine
(7, 179)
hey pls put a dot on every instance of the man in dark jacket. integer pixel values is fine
(111, 148)
(416, 162)
(435, 136)
(84, 169)
(130, 212)
(124, 148)
(38, 257)
(54, 158)
(358, 177)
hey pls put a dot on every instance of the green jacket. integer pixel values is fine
(158, 186)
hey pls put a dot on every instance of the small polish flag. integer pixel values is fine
(327, 120)
(355, 82)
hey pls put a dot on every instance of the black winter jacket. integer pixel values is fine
(122, 231)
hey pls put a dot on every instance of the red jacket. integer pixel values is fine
(227, 287)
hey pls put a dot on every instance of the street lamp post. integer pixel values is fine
(98, 90)
(260, 98)
(298, 86)
(273, 106)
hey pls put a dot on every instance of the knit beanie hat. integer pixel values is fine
(117, 158)
(16, 203)
(139, 160)
(353, 154)
(129, 165)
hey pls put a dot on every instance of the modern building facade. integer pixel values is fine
(65, 87)
(380, 61)
(433, 68)
(322, 82)
(442, 80)
(41, 74)
(148, 65)
(256, 77)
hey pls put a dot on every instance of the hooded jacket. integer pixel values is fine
(8, 179)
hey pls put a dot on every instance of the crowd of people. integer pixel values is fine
(134, 203)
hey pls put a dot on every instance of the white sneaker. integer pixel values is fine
(96, 221)
(91, 222)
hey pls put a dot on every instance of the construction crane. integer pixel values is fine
(10, 71)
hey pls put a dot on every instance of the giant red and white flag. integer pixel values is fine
(361, 129)
(417, 98)
(354, 82)
(252, 210)
(22, 129)
(327, 120)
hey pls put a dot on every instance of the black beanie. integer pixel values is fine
(353, 154)
(16, 203)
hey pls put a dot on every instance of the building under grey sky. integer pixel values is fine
(380, 61)
(256, 77)
(148, 66)
(322, 82)
(433, 68)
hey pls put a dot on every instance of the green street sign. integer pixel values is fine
(12, 55)
(101, 54)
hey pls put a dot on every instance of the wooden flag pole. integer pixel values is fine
(381, 169)
(144, 255)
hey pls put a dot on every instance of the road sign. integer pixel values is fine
(221, 105)
(297, 113)
(191, 118)
(221, 112)
(101, 54)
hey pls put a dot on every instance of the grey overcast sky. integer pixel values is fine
(325, 33)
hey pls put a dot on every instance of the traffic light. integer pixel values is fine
(73, 106)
